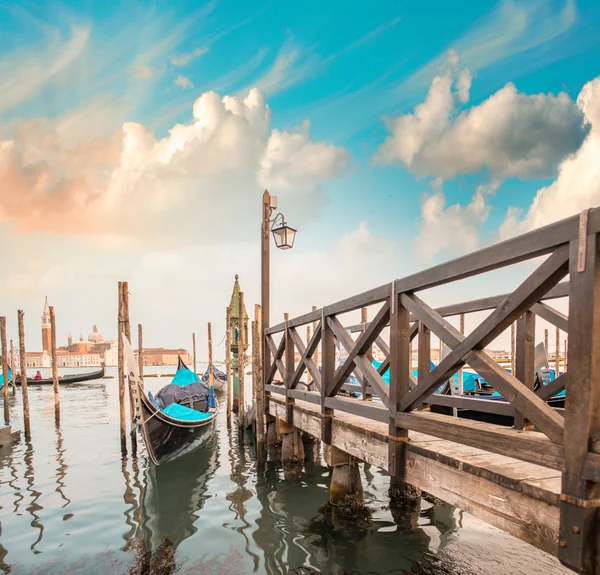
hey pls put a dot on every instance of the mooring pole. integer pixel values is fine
(12, 366)
(5, 369)
(546, 343)
(211, 375)
(512, 348)
(140, 353)
(260, 386)
(241, 363)
(265, 288)
(127, 326)
(23, 362)
(194, 350)
(54, 365)
(461, 380)
(228, 362)
(120, 331)
(557, 352)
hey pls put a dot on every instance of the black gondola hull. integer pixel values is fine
(167, 438)
(65, 379)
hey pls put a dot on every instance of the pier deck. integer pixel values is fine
(542, 486)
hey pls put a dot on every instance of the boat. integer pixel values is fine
(65, 379)
(219, 378)
(168, 426)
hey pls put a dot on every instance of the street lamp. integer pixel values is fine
(284, 237)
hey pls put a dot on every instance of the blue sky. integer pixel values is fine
(345, 134)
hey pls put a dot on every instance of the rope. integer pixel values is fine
(222, 340)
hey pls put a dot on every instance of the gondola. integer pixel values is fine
(219, 378)
(65, 379)
(173, 429)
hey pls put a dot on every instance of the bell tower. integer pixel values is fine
(46, 342)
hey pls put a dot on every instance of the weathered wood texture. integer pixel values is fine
(23, 362)
(54, 365)
(260, 384)
(121, 373)
(127, 331)
(4, 352)
(566, 441)
(228, 361)
(241, 363)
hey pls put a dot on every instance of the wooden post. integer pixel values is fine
(460, 372)
(525, 358)
(327, 375)
(557, 352)
(308, 378)
(127, 326)
(228, 362)
(289, 370)
(140, 353)
(5, 369)
(54, 365)
(317, 354)
(194, 350)
(120, 331)
(546, 342)
(241, 362)
(578, 534)
(12, 366)
(260, 397)
(211, 375)
(265, 288)
(364, 318)
(512, 348)
(24, 390)
(424, 357)
(566, 353)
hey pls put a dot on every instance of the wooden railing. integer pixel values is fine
(569, 440)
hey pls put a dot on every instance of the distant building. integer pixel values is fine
(163, 356)
(46, 329)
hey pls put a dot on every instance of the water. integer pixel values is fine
(69, 504)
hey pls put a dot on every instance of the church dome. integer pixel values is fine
(95, 336)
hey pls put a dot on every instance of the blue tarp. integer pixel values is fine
(184, 377)
(177, 411)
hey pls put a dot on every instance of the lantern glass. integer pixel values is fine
(284, 237)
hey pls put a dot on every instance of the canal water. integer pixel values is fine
(70, 504)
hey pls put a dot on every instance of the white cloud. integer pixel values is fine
(511, 134)
(577, 186)
(452, 230)
(143, 72)
(185, 59)
(131, 185)
(183, 82)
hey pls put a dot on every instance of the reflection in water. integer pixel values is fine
(130, 501)
(175, 493)
(33, 508)
(61, 470)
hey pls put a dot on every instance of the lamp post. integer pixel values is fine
(284, 237)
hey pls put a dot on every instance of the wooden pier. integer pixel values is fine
(539, 480)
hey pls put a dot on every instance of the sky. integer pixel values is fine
(136, 139)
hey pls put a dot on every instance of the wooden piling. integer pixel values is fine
(127, 328)
(12, 366)
(460, 371)
(4, 369)
(228, 362)
(557, 360)
(317, 354)
(241, 360)
(194, 351)
(546, 342)
(308, 378)
(566, 351)
(211, 375)
(120, 331)
(512, 347)
(23, 362)
(140, 353)
(260, 385)
(54, 365)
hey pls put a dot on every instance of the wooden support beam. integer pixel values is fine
(127, 329)
(241, 362)
(557, 355)
(121, 374)
(551, 315)
(524, 362)
(194, 351)
(54, 366)
(579, 499)
(277, 352)
(5, 384)
(290, 368)
(328, 367)
(211, 374)
(306, 361)
(141, 353)
(23, 361)
(551, 389)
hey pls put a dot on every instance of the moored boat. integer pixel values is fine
(181, 416)
(219, 378)
(65, 379)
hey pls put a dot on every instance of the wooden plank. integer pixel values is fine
(525, 358)
(361, 347)
(524, 445)
(277, 353)
(537, 243)
(355, 407)
(424, 357)
(309, 317)
(549, 390)
(578, 523)
(310, 396)
(364, 299)
(279, 389)
(551, 315)
(328, 367)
